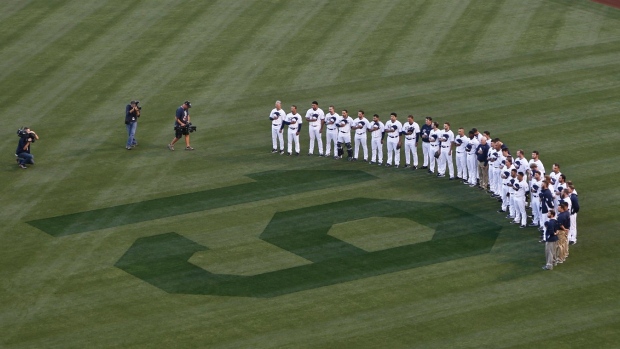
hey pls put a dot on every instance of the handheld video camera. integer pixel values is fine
(23, 133)
(189, 127)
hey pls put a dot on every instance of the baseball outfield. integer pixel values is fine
(230, 246)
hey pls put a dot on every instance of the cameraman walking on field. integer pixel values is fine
(182, 125)
(132, 113)
(26, 137)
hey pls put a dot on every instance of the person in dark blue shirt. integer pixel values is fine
(551, 241)
(181, 122)
(482, 153)
(132, 113)
(425, 131)
(563, 225)
(26, 138)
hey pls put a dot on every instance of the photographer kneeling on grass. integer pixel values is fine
(26, 137)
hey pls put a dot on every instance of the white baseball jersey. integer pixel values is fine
(555, 178)
(294, 121)
(410, 131)
(521, 164)
(377, 128)
(520, 188)
(397, 128)
(314, 117)
(472, 145)
(356, 122)
(276, 116)
(446, 137)
(461, 143)
(434, 137)
(538, 163)
(330, 122)
(344, 124)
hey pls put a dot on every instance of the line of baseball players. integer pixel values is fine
(480, 161)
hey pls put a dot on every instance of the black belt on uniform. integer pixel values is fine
(275, 125)
(534, 195)
(331, 129)
(409, 139)
(361, 133)
(393, 136)
(343, 131)
(459, 152)
(434, 145)
(445, 146)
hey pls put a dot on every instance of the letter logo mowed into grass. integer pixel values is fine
(162, 260)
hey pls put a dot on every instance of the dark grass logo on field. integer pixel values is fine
(163, 260)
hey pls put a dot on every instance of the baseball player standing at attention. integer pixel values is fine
(425, 131)
(433, 137)
(316, 119)
(539, 164)
(331, 134)
(572, 232)
(520, 188)
(472, 159)
(535, 191)
(293, 120)
(276, 116)
(377, 133)
(447, 141)
(461, 141)
(360, 126)
(411, 131)
(555, 181)
(393, 128)
(344, 135)
(505, 174)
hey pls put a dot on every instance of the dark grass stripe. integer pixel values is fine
(267, 185)
(374, 53)
(543, 29)
(13, 28)
(466, 33)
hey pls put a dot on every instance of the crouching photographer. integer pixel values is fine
(182, 126)
(26, 138)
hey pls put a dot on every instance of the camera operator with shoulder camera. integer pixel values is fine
(182, 126)
(26, 137)
(132, 113)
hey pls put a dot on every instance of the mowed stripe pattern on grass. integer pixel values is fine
(539, 74)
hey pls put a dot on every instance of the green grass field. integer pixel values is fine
(230, 246)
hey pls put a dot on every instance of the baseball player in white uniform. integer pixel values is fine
(433, 137)
(505, 175)
(555, 181)
(360, 126)
(535, 190)
(344, 135)
(376, 141)
(294, 122)
(393, 128)
(447, 141)
(316, 119)
(520, 188)
(411, 132)
(539, 164)
(331, 132)
(276, 116)
(493, 157)
(461, 141)
(472, 159)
